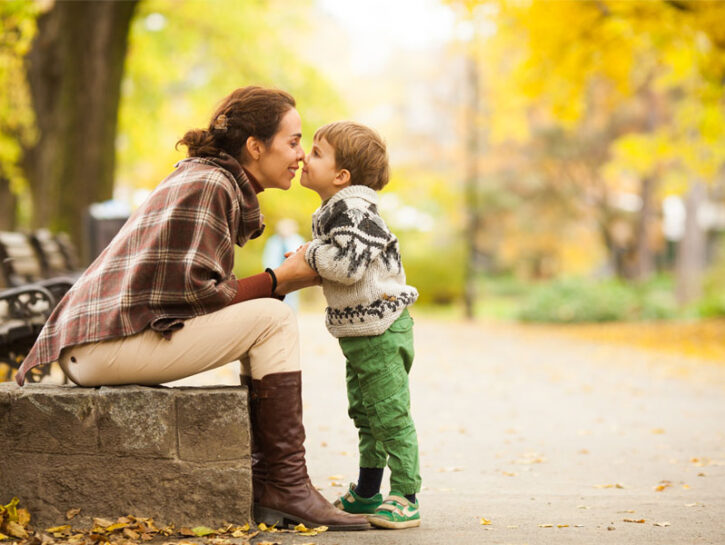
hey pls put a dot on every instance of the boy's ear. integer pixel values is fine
(342, 178)
(254, 148)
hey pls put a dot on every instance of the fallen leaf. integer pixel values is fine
(583, 507)
(638, 521)
(336, 477)
(58, 529)
(485, 521)
(72, 513)
(547, 525)
(117, 526)
(562, 525)
(103, 523)
(615, 485)
(130, 534)
(510, 473)
(686, 486)
(187, 532)
(662, 524)
(658, 431)
(15, 529)
(23, 517)
(202, 531)
(692, 504)
(583, 451)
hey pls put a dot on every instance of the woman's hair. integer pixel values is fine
(248, 111)
(360, 150)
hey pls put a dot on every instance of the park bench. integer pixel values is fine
(23, 311)
(178, 455)
(37, 270)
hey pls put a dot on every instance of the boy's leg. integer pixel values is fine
(363, 497)
(371, 450)
(381, 364)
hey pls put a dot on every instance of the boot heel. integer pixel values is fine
(272, 517)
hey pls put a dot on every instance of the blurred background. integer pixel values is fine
(551, 161)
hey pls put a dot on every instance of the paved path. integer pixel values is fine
(533, 432)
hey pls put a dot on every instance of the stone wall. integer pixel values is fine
(179, 455)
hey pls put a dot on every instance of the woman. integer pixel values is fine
(161, 303)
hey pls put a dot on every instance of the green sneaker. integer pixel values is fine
(357, 505)
(396, 513)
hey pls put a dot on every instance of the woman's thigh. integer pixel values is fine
(263, 332)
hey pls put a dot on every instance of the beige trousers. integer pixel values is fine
(262, 334)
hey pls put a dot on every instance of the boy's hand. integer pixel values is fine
(294, 273)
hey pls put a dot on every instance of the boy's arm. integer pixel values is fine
(354, 239)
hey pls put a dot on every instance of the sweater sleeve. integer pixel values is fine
(256, 286)
(349, 243)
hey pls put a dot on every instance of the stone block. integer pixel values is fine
(50, 418)
(137, 421)
(169, 491)
(115, 451)
(209, 429)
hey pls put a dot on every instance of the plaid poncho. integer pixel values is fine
(171, 261)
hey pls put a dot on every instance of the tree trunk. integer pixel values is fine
(691, 251)
(8, 206)
(74, 70)
(645, 255)
(471, 187)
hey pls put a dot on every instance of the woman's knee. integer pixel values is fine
(280, 317)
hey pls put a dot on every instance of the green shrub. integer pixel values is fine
(581, 300)
(713, 300)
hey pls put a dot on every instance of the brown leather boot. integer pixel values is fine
(288, 496)
(259, 466)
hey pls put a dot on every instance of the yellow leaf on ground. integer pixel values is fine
(72, 513)
(485, 521)
(130, 534)
(15, 529)
(637, 521)
(56, 529)
(3, 537)
(546, 525)
(117, 526)
(202, 531)
(662, 524)
(23, 517)
(562, 525)
(103, 523)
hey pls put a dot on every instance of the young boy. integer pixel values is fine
(363, 281)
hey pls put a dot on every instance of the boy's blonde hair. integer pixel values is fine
(358, 149)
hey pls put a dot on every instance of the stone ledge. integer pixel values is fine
(179, 455)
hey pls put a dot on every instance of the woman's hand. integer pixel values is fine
(294, 273)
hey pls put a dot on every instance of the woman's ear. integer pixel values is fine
(254, 148)
(342, 178)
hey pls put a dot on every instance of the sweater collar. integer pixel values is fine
(359, 191)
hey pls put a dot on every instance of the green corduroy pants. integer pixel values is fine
(379, 402)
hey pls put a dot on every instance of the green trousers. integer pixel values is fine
(379, 402)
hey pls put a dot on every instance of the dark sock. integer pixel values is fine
(410, 498)
(368, 483)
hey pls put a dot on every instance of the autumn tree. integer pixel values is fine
(16, 114)
(640, 81)
(74, 70)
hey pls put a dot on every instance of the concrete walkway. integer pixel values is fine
(552, 440)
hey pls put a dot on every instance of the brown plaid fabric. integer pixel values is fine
(171, 261)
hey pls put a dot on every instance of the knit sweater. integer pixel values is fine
(359, 261)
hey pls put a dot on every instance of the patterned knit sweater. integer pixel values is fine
(358, 259)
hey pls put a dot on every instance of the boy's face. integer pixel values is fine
(320, 172)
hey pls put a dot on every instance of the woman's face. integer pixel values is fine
(278, 162)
